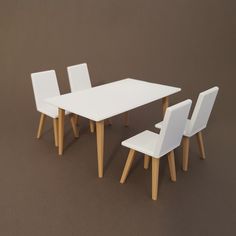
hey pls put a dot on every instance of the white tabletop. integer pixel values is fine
(105, 101)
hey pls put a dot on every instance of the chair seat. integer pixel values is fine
(50, 110)
(186, 133)
(145, 142)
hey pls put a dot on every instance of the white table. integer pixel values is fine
(105, 101)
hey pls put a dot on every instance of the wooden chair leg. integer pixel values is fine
(201, 145)
(146, 162)
(165, 104)
(74, 127)
(185, 153)
(76, 119)
(41, 124)
(91, 125)
(171, 161)
(126, 118)
(155, 175)
(55, 128)
(127, 166)
(100, 146)
(61, 117)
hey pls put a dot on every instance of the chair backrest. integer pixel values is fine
(79, 77)
(174, 123)
(202, 111)
(44, 86)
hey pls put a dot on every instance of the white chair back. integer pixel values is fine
(202, 111)
(79, 77)
(45, 85)
(173, 127)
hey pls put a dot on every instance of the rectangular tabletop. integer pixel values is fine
(105, 101)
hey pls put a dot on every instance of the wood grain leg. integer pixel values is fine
(201, 145)
(61, 118)
(74, 127)
(41, 124)
(127, 166)
(185, 153)
(165, 104)
(126, 118)
(55, 129)
(100, 146)
(146, 162)
(155, 175)
(171, 161)
(91, 125)
(76, 119)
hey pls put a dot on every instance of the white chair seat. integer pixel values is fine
(144, 142)
(186, 131)
(50, 110)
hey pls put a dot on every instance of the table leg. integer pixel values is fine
(100, 146)
(61, 118)
(165, 104)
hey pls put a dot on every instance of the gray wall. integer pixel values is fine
(185, 43)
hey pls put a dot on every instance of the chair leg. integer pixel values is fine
(201, 145)
(61, 118)
(55, 128)
(91, 125)
(76, 119)
(41, 124)
(146, 162)
(165, 104)
(171, 161)
(185, 153)
(100, 146)
(127, 166)
(73, 124)
(155, 175)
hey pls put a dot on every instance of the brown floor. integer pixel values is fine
(189, 44)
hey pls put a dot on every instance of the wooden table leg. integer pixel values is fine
(165, 104)
(61, 118)
(100, 146)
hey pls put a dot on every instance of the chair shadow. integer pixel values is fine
(114, 152)
(71, 141)
(117, 148)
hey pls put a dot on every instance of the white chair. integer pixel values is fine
(45, 86)
(197, 123)
(157, 145)
(79, 79)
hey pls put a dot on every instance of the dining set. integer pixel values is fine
(100, 103)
